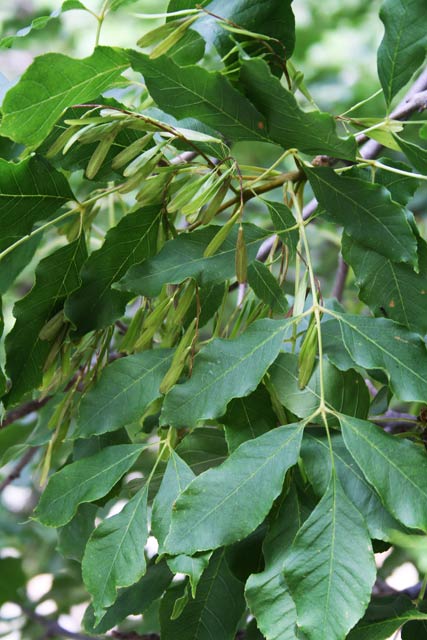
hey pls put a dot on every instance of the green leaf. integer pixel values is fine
(266, 287)
(403, 47)
(216, 610)
(52, 83)
(312, 132)
(317, 464)
(203, 448)
(86, 480)
(133, 600)
(359, 205)
(223, 370)
(177, 477)
(283, 220)
(114, 556)
(33, 191)
(342, 389)
(95, 304)
(330, 567)
(39, 23)
(191, 566)
(384, 629)
(248, 418)
(55, 278)
(182, 258)
(391, 289)
(266, 592)
(72, 538)
(14, 262)
(416, 155)
(247, 483)
(125, 390)
(377, 343)
(403, 488)
(16, 579)
(195, 92)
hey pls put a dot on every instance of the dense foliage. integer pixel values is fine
(182, 370)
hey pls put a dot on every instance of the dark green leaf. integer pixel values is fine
(416, 155)
(312, 132)
(177, 477)
(384, 629)
(403, 489)
(195, 92)
(15, 261)
(390, 289)
(330, 568)
(248, 418)
(11, 568)
(377, 343)
(114, 556)
(223, 370)
(403, 48)
(266, 592)
(133, 600)
(73, 537)
(215, 611)
(358, 205)
(83, 481)
(247, 483)
(95, 304)
(317, 464)
(182, 258)
(56, 277)
(30, 191)
(266, 287)
(125, 390)
(283, 220)
(51, 84)
(341, 389)
(203, 448)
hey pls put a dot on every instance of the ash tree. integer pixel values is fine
(218, 426)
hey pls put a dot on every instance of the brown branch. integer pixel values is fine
(18, 468)
(24, 410)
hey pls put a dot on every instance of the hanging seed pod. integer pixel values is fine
(300, 295)
(221, 236)
(141, 160)
(136, 179)
(179, 358)
(98, 132)
(172, 38)
(307, 354)
(152, 323)
(134, 330)
(153, 188)
(50, 330)
(184, 302)
(241, 257)
(99, 155)
(130, 152)
(61, 141)
(211, 209)
(186, 193)
(158, 34)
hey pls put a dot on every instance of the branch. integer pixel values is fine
(17, 469)
(24, 410)
(415, 100)
(53, 628)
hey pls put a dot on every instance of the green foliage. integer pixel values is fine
(223, 435)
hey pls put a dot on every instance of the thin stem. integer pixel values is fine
(422, 590)
(316, 311)
(361, 103)
(50, 223)
(270, 169)
(101, 19)
(386, 167)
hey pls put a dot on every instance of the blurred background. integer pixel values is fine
(336, 51)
